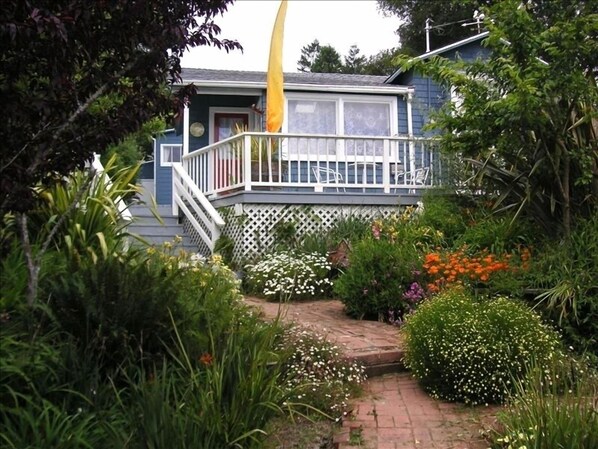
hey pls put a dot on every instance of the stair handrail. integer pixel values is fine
(123, 207)
(185, 189)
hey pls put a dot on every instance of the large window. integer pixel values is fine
(333, 115)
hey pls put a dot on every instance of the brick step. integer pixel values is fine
(377, 346)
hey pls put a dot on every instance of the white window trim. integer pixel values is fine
(163, 163)
(225, 110)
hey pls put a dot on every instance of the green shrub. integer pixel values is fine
(379, 274)
(564, 278)
(289, 275)
(222, 399)
(120, 305)
(552, 408)
(498, 234)
(466, 349)
(443, 214)
(350, 228)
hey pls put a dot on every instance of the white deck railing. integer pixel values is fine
(204, 218)
(299, 162)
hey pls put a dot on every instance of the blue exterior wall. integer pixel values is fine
(429, 95)
(163, 181)
(199, 111)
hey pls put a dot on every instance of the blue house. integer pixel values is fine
(350, 144)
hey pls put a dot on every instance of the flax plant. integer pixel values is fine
(552, 408)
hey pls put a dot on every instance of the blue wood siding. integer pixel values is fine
(164, 174)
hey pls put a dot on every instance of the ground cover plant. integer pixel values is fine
(468, 349)
(316, 372)
(287, 275)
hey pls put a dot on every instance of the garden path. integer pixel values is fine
(394, 412)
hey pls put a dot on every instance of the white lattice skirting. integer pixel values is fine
(251, 226)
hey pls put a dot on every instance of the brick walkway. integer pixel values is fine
(394, 412)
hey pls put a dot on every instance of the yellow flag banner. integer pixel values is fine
(274, 79)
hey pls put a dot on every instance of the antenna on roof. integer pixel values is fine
(478, 17)
(428, 29)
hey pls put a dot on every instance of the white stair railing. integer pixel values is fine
(187, 198)
(123, 208)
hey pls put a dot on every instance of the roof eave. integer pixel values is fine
(386, 89)
(449, 47)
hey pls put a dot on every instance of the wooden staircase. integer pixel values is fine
(147, 226)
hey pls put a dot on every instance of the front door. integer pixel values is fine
(227, 124)
(228, 164)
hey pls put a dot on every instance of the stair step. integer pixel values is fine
(148, 227)
(156, 230)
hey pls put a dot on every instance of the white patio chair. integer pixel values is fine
(325, 175)
(418, 177)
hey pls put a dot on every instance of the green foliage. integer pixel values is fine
(325, 59)
(378, 275)
(225, 246)
(497, 233)
(77, 83)
(470, 350)
(565, 272)
(235, 386)
(526, 125)
(442, 213)
(551, 408)
(94, 227)
(351, 228)
(118, 303)
(287, 275)
(413, 15)
(137, 146)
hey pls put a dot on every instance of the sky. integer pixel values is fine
(340, 23)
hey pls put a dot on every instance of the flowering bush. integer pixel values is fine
(463, 349)
(316, 372)
(290, 275)
(379, 274)
(446, 268)
(406, 227)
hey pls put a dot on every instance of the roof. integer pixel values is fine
(292, 81)
(441, 50)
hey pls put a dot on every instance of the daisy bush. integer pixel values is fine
(470, 350)
(316, 373)
(290, 275)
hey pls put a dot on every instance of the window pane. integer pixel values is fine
(366, 119)
(171, 153)
(312, 117)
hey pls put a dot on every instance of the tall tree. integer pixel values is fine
(309, 53)
(354, 63)
(528, 119)
(328, 60)
(382, 63)
(78, 76)
(447, 17)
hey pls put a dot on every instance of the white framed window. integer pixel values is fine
(337, 114)
(169, 153)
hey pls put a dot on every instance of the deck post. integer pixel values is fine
(386, 166)
(247, 161)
